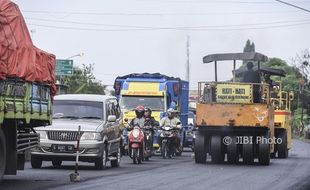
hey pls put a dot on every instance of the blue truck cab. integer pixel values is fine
(154, 90)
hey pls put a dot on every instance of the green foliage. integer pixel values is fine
(297, 125)
(291, 81)
(83, 81)
(301, 61)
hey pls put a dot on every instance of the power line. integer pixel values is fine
(157, 14)
(90, 24)
(171, 28)
(184, 29)
(289, 4)
(84, 29)
(213, 2)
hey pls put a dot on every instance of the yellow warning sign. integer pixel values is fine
(233, 93)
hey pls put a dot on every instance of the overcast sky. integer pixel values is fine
(126, 36)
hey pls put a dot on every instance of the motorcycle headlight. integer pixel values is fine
(90, 136)
(189, 133)
(135, 133)
(43, 135)
(167, 128)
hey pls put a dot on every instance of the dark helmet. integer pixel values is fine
(249, 65)
(148, 112)
(139, 111)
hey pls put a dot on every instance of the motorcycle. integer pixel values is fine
(168, 136)
(148, 132)
(136, 144)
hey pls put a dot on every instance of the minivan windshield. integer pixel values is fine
(77, 109)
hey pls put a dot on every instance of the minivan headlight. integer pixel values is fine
(91, 136)
(43, 135)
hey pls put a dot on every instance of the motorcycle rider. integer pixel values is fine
(139, 119)
(150, 121)
(173, 121)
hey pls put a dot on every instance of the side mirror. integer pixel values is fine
(126, 120)
(111, 118)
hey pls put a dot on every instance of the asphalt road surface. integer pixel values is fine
(177, 173)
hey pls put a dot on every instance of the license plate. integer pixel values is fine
(62, 148)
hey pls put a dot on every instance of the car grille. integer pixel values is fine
(63, 135)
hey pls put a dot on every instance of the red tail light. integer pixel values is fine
(176, 89)
(117, 88)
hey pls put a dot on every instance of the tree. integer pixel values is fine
(290, 82)
(249, 47)
(299, 120)
(301, 61)
(83, 81)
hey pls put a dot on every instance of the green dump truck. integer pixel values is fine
(27, 86)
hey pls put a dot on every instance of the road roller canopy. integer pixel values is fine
(248, 91)
(246, 56)
(250, 56)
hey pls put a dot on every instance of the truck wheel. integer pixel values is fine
(36, 162)
(57, 163)
(217, 155)
(247, 153)
(232, 151)
(2, 154)
(200, 149)
(263, 153)
(116, 163)
(101, 163)
(282, 148)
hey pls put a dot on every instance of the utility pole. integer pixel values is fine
(187, 77)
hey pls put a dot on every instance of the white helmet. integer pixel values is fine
(170, 110)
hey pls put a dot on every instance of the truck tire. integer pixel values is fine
(232, 151)
(200, 149)
(36, 162)
(217, 155)
(247, 153)
(101, 163)
(263, 153)
(2, 154)
(118, 155)
(282, 147)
